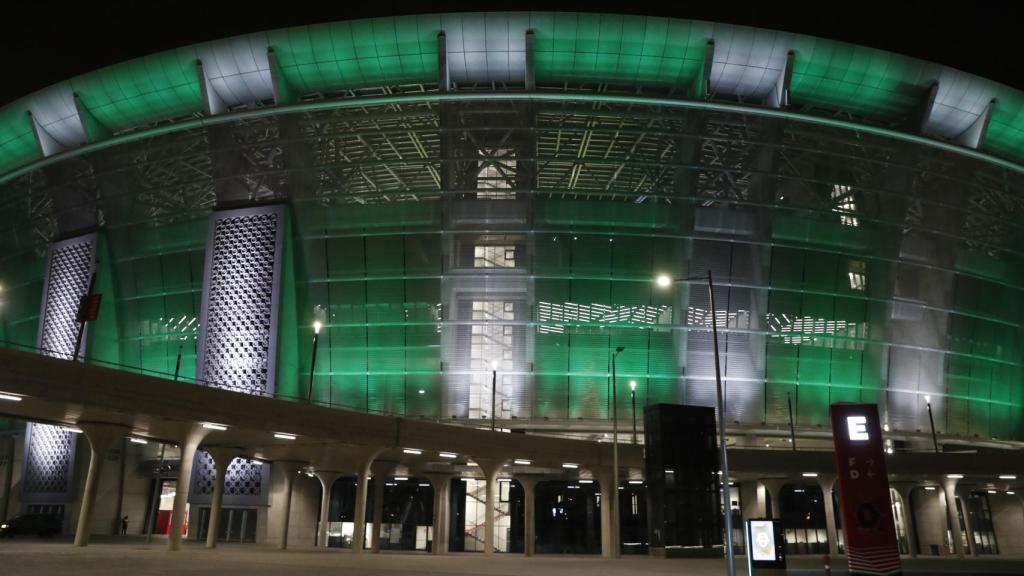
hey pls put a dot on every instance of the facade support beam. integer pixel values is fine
(189, 444)
(222, 458)
(101, 437)
(490, 469)
(949, 489)
(380, 472)
(290, 470)
(529, 484)
(363, 463)
(441, 484)
(905, 490)
(327, 479)
(827, 483)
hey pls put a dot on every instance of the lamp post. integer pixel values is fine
(494, 389)
(312, 363)
(664, 282)
(632, 398)
(615, 462)
(931, 422)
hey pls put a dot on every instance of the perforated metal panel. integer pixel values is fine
(67, 279)
(50, 450)
(238, 332)
(243, 483)
(239, 309)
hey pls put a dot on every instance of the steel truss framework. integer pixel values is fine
(646, 176)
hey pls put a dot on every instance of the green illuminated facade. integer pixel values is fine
(496, 202)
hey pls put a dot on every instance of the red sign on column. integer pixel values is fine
(868, 527)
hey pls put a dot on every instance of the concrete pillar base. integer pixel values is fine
(101, 437)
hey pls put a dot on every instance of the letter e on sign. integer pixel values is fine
(857, 426)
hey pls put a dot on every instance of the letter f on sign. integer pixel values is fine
(857, 426)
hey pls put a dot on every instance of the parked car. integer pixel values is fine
(31, 524)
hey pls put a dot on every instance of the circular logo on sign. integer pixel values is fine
(867, 515)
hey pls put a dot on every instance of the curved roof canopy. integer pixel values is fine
(684, 59)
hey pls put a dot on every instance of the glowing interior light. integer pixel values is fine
(10, 397)
(401, 478)
(1007, 476)
(636, 482)
(570, 465)
(929, 488)
(447, 454)
(138, 441)
(316, 327)
(664, 281)
(522, 462)
(415, 451)
(284, 436)
(954, 476)
(810, 474)
(73, 429)
(211, 426)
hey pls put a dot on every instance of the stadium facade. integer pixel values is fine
(478, 209)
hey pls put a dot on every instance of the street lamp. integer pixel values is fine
(931, 422)
(494, 390)
(615, 461)
(665, 281)
(632, 398)
(312, 364)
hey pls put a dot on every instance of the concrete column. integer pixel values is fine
(964, 494)
(327, 479)
(773, 486)
(750, 505)
(604, 480)
(440, 482)
(362, 481)
(949, 489)
(490, 468)
(905, 489)
(529, 484)
(221, 460)
(826, 482)
(290, 470)
(381, 470)
(189, 444)
(6, 473)
(101, 438)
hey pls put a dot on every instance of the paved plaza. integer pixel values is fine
(114, 556)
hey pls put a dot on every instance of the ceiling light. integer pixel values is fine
(929, 487)
(636, 481)
(138, 441)
(400, 478)
(447, 454)
(1010, 492)
(284, 436)
(522, 462)
(11, 397)
(424, 484)
(570, 465)
(471, 464)
(954, 476)
(415, 451)
(586, 481)
(1007, 476)
(991, 491)
(210, 426)
(810, 474)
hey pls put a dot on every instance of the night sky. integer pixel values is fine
(46, 42)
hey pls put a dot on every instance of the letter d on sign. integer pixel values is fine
(857, 426)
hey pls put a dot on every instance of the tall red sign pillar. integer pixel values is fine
(868, 526)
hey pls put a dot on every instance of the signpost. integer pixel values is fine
(766, 546)
(868, 526)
